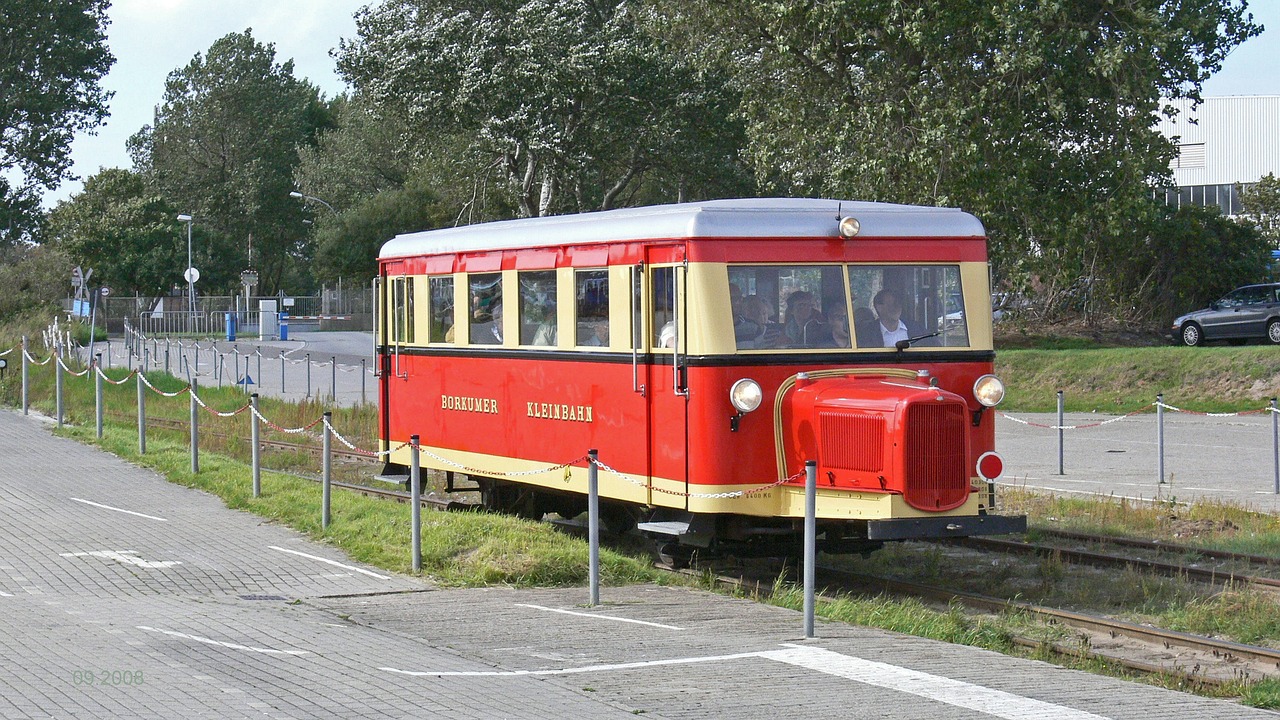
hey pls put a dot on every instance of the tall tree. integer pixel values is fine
(223, 148)
(125, 231)
(570, 102)
(53, 53)
(1039, 117)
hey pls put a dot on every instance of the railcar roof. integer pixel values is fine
(745, 218)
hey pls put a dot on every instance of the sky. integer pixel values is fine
(151, 38)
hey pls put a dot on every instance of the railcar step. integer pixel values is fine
(665, 527)
(393, 479)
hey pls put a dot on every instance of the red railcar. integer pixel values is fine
(706, 350)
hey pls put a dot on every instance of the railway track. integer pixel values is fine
(284, 445)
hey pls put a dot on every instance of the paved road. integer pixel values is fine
(175, 606)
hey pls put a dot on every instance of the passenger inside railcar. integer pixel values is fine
(804, 324)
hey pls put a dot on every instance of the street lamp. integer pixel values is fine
(192, 275)
(301, 196)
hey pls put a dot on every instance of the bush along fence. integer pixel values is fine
(1160, 407)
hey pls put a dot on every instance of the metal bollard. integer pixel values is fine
(593, 525)
(810, 541)
(166, 357)
(327, 470)
(196, 347)
(26, 379)
(1061, 425)
(415, 501)
(257, 352)
(1160, 435)
(1275, 444)
(193, 391)
(308, 376)
(57, 385)
(282, 372)
(142, 417)
(364, 373)
(235, 367)
(333, 379)
(255, 450)
(97, 395)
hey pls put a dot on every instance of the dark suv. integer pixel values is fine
(1252, 311)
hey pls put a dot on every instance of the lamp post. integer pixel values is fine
(301, 196)
(192, 275)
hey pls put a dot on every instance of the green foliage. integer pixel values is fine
(1038, 117)
(1261, 202)
(123, 230)
(223, 149)
(34, 279)
(363, 153)
(53, 53)
(347, 245)
(570, 104)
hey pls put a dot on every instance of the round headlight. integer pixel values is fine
(746, 395)
(988, 390)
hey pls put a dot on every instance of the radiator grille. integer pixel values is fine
(937, 475)
(852, 440)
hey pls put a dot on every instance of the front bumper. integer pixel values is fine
(945, 527)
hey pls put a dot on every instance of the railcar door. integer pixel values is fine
(668, 378)
(389, 328)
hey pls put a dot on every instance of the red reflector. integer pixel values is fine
(990, 466)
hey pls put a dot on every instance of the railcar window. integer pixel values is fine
(441, 307)
(591, 291)
(538, 307)
(484, 293)
(664, 323)
(788, 306)
(897, 302)
(398, 309)
(408, 310)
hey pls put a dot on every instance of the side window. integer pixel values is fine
(538, 308)
(408, 326)
(788, 306)
(441, 305)
(591, 296)
(398, 309)
(484, 294)
(663, 322)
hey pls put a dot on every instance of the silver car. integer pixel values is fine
(1252, 311)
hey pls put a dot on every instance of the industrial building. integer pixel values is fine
(1223, 143)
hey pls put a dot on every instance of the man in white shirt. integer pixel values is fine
(888, 308)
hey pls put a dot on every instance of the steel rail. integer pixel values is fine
(1159, 546)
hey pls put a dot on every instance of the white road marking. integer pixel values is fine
(958, 693)
(933, 687)
(127, 557)
(331, 562)
(4, 594)
(600, 617)
(116, 509)
(219, 643)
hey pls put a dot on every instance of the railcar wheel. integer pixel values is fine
(1192, 335)
(1273, 332)
(675, 555)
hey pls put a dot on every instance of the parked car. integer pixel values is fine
(1252, 311)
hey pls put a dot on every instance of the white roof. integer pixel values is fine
(744, 218)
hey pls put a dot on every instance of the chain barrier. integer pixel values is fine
(704, 496)
(361, 451)
(233, 413)
(1167, 406)
(291, 431)
(68, 370)
(1139, 411)
(6, 352)
(121, 381)
(32, 360)
(158, 391)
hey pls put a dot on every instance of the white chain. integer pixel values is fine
(69, 370)
(147, 382)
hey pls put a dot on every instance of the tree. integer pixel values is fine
(223, 148)
(53, 53)
(570, 103)
(1261, 201)
(125, 231)
(347, 245)
(1038, 117)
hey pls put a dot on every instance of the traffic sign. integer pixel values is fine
(191, 275)
(104, 290)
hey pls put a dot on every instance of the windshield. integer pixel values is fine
(815, 306)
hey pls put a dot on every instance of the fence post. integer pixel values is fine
(1061, 425)
(26, 379)
(166, 356)
(235, 367)
(255, 450)
(195, 344)
(221, 361)
(810, 541)
(415, 501)
(593, 524)
(327, 475)
(97, 395)
(57, 385)
(1275, 444)
(258, 352)
(1160, 435)
(364, 373)
(333, 378)
(282, 372)
(194, 390)
(142, 416)
(308, 376)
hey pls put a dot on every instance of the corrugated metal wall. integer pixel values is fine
(1233, 139)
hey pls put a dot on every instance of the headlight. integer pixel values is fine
(746, 395)
(988, 390)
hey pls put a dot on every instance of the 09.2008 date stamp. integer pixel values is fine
(107, 678)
